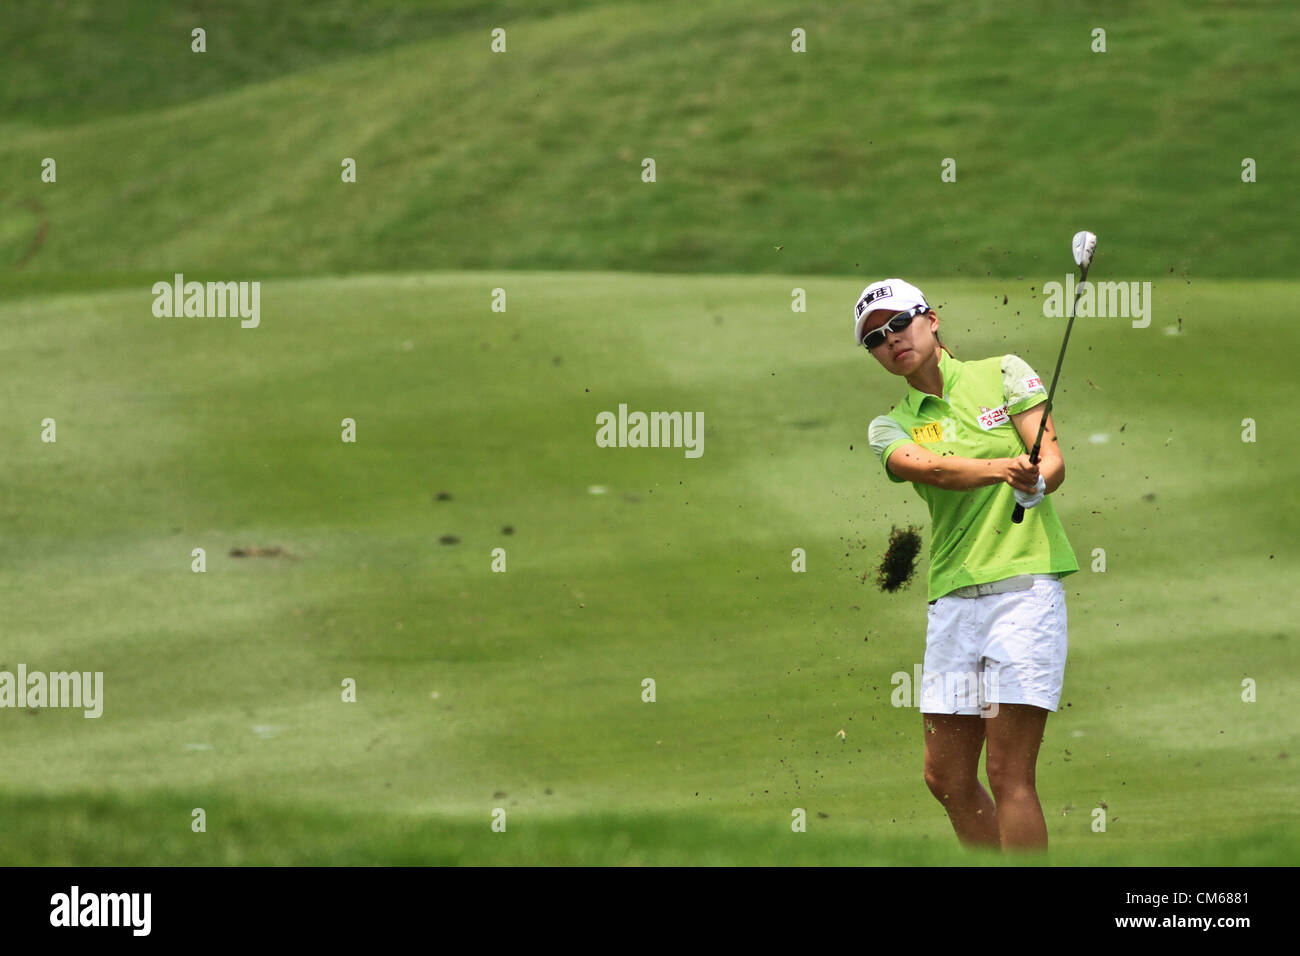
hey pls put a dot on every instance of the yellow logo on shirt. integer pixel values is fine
(927, 433)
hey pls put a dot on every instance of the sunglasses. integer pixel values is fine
(876, 337)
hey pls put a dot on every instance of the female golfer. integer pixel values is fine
(996, 629)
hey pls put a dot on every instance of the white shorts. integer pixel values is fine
(1004, 648)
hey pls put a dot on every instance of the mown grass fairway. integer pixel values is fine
(522, 690)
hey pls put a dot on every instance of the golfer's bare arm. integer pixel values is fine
(954, 473)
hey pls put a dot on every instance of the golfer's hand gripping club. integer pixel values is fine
(1026, 480)
(1027, 499)
(1023, 499)
(1018, 515)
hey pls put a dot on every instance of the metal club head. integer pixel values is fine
(1084, 244)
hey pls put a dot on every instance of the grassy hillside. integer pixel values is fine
(230, 160)
(521, 689)
(71, 60)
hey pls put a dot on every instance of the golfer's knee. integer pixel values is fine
(1011, 785)
(948, 786)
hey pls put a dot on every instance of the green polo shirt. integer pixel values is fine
(972, 537)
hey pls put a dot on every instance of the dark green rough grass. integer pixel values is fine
(229, 161)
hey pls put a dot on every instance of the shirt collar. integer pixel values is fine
(949, 369)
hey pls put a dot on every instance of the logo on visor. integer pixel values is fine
(871, 297)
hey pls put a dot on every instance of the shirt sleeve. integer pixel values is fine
(884, 434)
(1021, 386)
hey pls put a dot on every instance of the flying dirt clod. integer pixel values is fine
(899, 563)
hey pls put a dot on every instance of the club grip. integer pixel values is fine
(1018, 515)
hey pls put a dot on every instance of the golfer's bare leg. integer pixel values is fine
(952, 761)
(1014, 736)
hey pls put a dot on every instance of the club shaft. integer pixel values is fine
(1056, 375)
(1018, 514)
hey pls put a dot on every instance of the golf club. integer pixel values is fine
(1083, 245)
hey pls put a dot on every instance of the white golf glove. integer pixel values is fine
(1027, 501)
